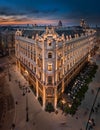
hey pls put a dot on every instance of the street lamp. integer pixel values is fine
(25, 92)
(9, 75)
(27, 118)
(70, 105)
(13, 124)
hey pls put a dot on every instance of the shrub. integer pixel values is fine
(49, 107)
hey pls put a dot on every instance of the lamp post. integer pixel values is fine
(14, 122)
(25, 92)
(27, 118)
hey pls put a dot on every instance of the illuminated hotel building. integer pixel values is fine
(49, 59)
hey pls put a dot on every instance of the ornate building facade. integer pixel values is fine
(7, 41)
(51, 58)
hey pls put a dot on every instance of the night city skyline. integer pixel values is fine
(45, 12)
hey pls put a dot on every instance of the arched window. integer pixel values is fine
(49, 55)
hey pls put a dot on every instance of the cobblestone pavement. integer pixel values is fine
(41, 120)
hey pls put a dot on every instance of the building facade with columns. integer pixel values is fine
(50, 59)
(7, 41)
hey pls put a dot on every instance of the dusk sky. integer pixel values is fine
(49, 11)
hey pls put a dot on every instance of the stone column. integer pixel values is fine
(63, 57)
(62, 86)
(55, 100)
(56, 66)
(37, 91)
(44, 98)
(36, 50)
(43, 58)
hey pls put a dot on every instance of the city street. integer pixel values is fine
(41, 120)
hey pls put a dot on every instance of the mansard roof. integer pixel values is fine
(30, 33)
(70, 32)
(66, 32)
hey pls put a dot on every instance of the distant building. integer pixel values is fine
(83, 23)
(98, 35)
(60, 23)
(49, 59)
(7, 41)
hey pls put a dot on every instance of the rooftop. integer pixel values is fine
(66, 32)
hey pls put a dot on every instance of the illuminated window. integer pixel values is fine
(49, 67)
(49, 79)
(49, 55)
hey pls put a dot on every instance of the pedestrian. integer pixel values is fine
(13, 125)
(16, 102)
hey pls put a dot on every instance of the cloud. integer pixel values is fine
(50, 10)
(7, 11)
(36, 13)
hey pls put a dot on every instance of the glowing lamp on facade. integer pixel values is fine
(68, 94)
(26, 72)
(63, 101)
(73, 97)
(69, 105)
